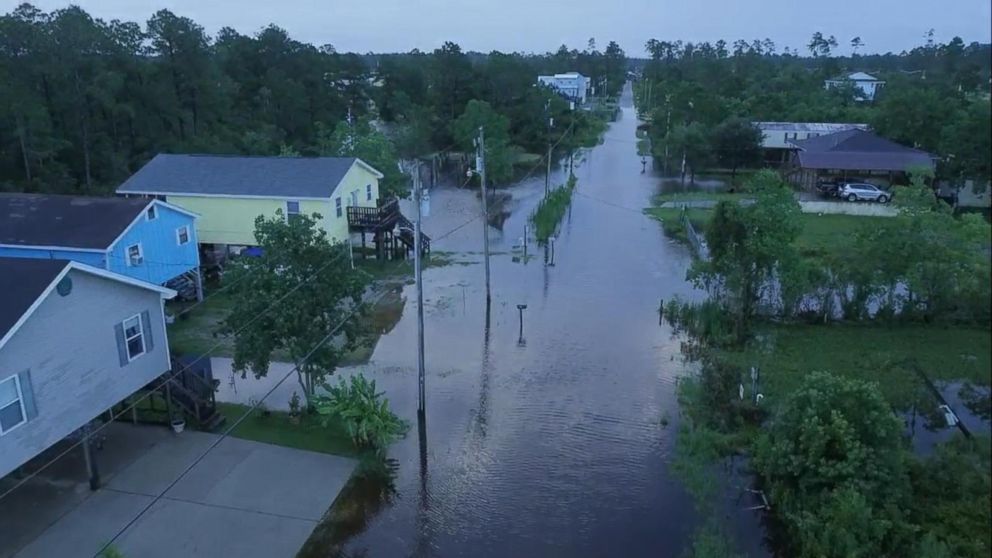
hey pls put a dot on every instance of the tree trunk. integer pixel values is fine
(22, 138)
(85, 130)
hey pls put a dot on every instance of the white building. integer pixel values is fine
(866, 83)
(776, 137)
(572, 85)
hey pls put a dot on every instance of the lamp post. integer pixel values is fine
(520, 337)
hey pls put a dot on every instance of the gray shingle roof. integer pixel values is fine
(70, 221)
(21, 283)
(858, 150)
(301, 177)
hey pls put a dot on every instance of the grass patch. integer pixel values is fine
(786, 354)
(400, 269)
(669, 217)
(820, 234)
(275, 427)
(526, 158)
(699, 196)
(551, 210)
(193, 333)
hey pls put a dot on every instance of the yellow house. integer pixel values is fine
(229, 192)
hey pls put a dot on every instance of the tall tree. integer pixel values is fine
(738, 144)
(293, 300)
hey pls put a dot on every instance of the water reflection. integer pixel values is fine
(370, 490)
(554, 448)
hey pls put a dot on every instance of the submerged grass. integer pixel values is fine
(820, 234)
(786, 354)
(551, 210)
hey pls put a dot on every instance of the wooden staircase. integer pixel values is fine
(187, 391)
(388, 226)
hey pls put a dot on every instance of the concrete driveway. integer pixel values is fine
(245, 499)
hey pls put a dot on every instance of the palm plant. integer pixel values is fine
(363, 410)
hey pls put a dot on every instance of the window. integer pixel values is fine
(134, 337)
(152, 213)
(292, 209)
(182, 235)
(135, 256)
(12, 412)
(368, 192)
(337, 206)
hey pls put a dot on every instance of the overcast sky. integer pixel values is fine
(543, 25)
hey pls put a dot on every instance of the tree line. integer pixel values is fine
(936, 97)
(85, 102)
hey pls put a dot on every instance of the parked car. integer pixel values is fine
(859, 191)
(827, 189)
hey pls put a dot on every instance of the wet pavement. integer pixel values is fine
(557, 444)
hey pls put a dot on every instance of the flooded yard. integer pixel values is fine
(556, 444)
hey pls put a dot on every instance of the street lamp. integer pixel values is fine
(520, 338)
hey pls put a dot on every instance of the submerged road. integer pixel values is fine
(561, 445)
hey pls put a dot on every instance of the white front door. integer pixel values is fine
(354, 198)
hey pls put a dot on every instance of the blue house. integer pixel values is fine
(145, 239)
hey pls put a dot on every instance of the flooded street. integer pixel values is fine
(558, 445)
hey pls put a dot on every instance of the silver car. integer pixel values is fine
(859, 191)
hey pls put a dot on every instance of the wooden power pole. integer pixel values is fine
(480, 167)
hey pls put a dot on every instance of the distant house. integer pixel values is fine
(852, 155)
(74, 341)
(866, 84)
(229, 192)
(777, 137)
(143, 239)
(571, 85)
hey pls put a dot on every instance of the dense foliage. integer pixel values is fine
(747, 244)
(363, 410)
(835, 465)
(551, 209)
(936, 96)
(85, 102)
(293, 300)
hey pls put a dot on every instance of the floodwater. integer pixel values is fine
(559, 443)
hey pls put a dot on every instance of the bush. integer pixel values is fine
(834, 461)
(551, 210)
(363, 410)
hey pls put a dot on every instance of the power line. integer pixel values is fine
(168, 379)
(141, 398)
(251, 408)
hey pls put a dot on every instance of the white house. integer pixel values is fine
(776, 137)
(866, 83)
(572, 85)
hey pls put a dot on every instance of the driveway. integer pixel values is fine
(245, 499)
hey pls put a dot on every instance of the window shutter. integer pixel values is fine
(121, 345)
(146, 330)
(27, 394)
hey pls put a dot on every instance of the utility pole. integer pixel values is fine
(480, 167)
(668, 126)
(547, 175)
(421, 401)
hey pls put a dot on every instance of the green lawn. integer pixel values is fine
(785, 354)
(276, 428)
(699, 196)
(193, 333)
(821, 234)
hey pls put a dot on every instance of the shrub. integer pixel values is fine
(363, 410)
(834, 461)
